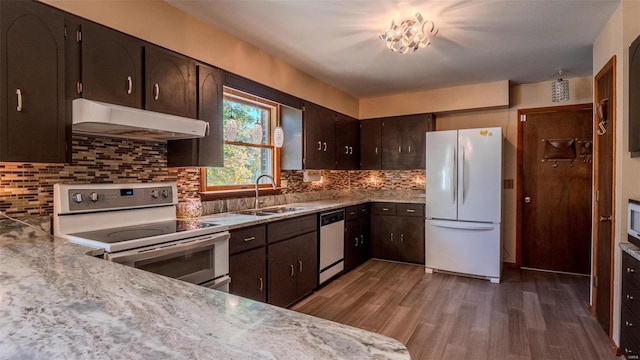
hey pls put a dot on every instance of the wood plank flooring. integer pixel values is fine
(530, 315)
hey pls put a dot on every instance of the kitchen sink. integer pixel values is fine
(253, 212)
(282, 209)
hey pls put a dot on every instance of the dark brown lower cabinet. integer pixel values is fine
(293, 269)
(357, 240)
(248, 274)
(630, 309)
(397, 232)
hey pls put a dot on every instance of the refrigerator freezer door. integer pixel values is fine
(464, 247)
(479, 175)
(441, 157)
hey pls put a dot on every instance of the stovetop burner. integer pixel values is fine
(135, 232)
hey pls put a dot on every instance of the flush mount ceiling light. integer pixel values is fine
(560, 89)
(412, 33)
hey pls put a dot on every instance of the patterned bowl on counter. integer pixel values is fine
(190, 208)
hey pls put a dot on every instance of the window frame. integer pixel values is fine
(224, 191)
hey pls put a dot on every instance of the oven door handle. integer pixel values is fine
(169, 248)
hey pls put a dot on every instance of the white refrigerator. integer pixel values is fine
(463, 202)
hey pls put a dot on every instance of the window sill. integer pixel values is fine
(230, 194)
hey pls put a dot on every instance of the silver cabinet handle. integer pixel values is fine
(399, 149)
(391, 236)
(352, 213)
(402, 238)
(208, 130)
(411, 210)
(628, 324)
(130, 85)
(350, 150)
(630, 270)
(346, 150)
(356, 242)
(409, 148)
(376, 150)
(325, 146)
(630, 297)
(156, 91)
(361, 239)
(291, 270)
(261, 284)
(627, 351)
(300, 266)
(19, 96)
(385, 209)
(319, 145)
(250, 238)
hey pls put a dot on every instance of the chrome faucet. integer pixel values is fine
(273, 183)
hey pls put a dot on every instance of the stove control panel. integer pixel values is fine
(113, 197)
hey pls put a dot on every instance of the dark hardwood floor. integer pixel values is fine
(530, 315)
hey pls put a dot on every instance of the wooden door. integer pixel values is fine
(556, 193)
(306, 263)
(33, 74)
(370, 144)
(383, 245)
(347, 143)
(111, 66)
(248, 274)
(316, 148)
(411, 245)
(206, 151)
(604, 161)
(281, 273)
(170, 80)
(352, 245)
(392, 144)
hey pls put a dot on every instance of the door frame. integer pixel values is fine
(609, 66)
(522, 113)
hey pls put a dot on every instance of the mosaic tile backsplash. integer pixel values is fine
(27, 189)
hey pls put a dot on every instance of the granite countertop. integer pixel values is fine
(56, 302)
(234, 220)
(630, 249)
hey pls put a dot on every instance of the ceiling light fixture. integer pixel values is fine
(256, 135)
(231, 129)
(560, 89)
(412, 33)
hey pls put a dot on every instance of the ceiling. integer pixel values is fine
(337, 41)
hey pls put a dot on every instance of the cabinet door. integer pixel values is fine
(414, 128)
(281, 272)
(170, 80)
(32, 83)
(383, 239)
(365, 234)
(247, 271)
(370, 144)
(634, 98)
(352, 254)
(319, 139)
(347, 143)
(206, 151)
(411, 239)
(306, 263)
(392, 144)
(111, 66)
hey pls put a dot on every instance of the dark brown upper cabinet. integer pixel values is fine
(347, 142)
(319, 137)
(634, 98)
(111, 66)
(401, 145)
(170, 80)
(33, 114)
(371, 144)
(206, 151)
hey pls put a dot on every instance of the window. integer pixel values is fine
(247, 154)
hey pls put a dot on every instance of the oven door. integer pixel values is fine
(196, 260)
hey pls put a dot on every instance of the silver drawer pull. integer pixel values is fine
(300, 267)
(401, 238)
(19, 95)
(631, 270)
(410, 211)
(346, 150)
(156, 91)
(352, 213)
(325, 146)
(628, 324)
(391, 236)
(129, 85)
(361, 239)
(385, 209)
(356, 242)
(630, 297)
(350, 150)
(319, 145)
(291, 270)
(627, 351)
(261, 284)
(250, 238)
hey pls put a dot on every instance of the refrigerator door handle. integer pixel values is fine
(463, 226)
(464, 177)
(454, 174)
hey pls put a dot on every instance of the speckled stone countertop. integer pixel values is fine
(630, 249)
(58, 303)
(234, 220)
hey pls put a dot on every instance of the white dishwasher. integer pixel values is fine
(331, 244)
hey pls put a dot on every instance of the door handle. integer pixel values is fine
(402, 238)
(409, 148)
(376, 150)
(156, 91)
(350, 150)
(261, 284)
(249, 239)
(129, 85)
(19, 100)
(319, 145)
(399, 149)
(325, 146)
(346, 150)
(300, 267)
(356, 241)
(291, 270)
(605, 218)
(527, 199)
(454, 175)
(361, 239)
(391, 236)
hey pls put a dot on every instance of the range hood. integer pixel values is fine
(98, 118)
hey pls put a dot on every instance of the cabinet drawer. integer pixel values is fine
(630, 270)
(416, 210)
(289, 228)
(631, 296)
(384, 208)
(352, 212)
(628, 346)
(364, 210)
(247, 238)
